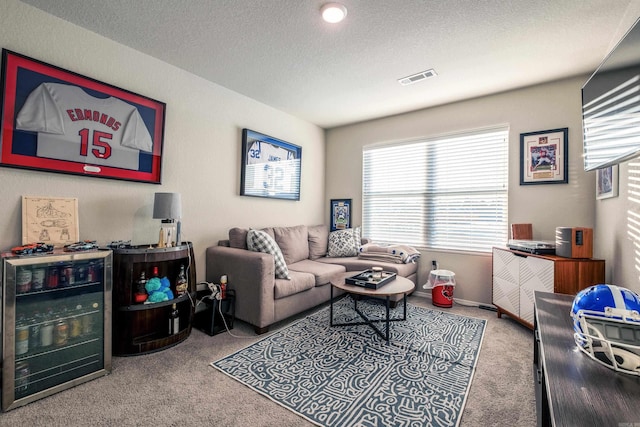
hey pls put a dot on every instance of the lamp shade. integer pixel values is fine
(167, 206)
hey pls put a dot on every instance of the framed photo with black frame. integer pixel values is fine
(57, 120)
(271, 167)
(544, 157)
(340, 214)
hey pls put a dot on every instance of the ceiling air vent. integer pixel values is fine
(415, 78)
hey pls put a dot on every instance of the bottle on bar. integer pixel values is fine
(174, 320)
(181, 282)
(140, 295)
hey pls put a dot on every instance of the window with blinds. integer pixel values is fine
(447, 193)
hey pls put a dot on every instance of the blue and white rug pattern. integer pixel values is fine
(348, 376)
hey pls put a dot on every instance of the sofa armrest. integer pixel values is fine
(251, 275)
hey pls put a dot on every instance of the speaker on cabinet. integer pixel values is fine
(574, 242)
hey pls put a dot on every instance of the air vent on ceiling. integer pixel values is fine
(415, 78)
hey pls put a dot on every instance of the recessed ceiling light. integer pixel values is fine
(415, 78)
(333, 12)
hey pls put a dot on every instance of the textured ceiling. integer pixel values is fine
(279, 52)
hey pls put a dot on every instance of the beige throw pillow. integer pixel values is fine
(343, 243)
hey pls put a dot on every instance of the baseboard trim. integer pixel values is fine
(460, 301)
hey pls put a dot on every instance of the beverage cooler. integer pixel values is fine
(56, 323)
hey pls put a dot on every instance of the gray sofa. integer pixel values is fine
(261, 298)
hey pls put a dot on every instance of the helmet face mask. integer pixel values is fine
(606, 321)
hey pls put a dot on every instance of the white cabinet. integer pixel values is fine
(515, 278)
(516, 275)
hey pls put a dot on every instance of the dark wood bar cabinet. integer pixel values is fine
(140, 328)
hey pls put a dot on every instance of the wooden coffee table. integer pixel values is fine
(400, 285)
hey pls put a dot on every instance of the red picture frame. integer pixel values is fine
(56, 120)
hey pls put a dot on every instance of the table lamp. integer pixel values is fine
(168, 208)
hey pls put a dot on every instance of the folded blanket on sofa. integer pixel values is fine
(398, 254)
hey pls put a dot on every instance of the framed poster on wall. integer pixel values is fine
(52, 220)
(544, 157)
(59, 121)
(270, 167)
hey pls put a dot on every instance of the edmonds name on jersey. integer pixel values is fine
(75, 126)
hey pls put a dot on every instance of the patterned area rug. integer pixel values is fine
(348, 376)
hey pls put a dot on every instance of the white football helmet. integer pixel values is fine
(606, 321)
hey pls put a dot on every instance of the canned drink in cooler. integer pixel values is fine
(22, 339)
(69, 275)
(52, 277)
(61, 332)
(75, 329)
(24, 277)
(91, 272)
(81, 273)
(38, 279)
(34, 332)
(22, 376)
(46, 334)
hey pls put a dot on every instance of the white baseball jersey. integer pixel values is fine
(271, 168)
(263, 152)
(73, 125)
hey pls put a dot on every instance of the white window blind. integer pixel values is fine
(611, 123)
(445, 193)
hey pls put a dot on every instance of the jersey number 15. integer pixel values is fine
(101, 150)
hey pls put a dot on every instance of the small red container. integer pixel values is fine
(441, 283)
(442, 296)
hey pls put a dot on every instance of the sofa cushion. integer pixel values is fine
(299, 282)
(238, 238)
(318, 240)
(344, 242)
(324, 273)
(260, 241)
(293, 242)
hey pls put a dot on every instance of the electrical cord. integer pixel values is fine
(216, 295)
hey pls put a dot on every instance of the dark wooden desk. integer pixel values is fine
(571, 388)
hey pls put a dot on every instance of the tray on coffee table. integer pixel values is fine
(366, 280)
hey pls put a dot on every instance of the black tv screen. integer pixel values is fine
(611, 106)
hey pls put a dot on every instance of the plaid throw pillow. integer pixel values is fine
(259, 241)
(344, 242)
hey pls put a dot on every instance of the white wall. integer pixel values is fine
(548, 106)
(617, 230)
(202, 146)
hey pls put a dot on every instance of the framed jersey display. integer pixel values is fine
(340, 214)
(270, 167)
(59, 121)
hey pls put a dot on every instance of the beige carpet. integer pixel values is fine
(177, 387)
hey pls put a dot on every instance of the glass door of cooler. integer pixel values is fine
(56, 323)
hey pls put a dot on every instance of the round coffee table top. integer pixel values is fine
(401, 285)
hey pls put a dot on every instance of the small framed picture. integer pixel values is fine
(544, 157)
(340, 214)
(607, 182)
(52, 220)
